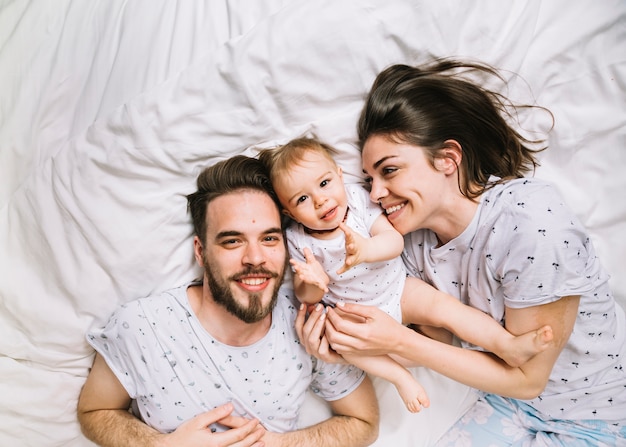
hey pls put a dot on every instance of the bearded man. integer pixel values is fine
(218, 361)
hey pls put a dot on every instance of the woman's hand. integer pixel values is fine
(362, 330)
(312, 333)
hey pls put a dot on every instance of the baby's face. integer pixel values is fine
(313, 193)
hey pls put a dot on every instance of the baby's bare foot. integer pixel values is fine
(413, 395)
(524, 347)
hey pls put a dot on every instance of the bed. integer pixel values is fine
(109, 110)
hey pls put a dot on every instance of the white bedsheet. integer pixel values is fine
(108, 110)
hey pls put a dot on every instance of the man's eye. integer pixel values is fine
(229, 242)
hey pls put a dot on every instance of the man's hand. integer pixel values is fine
(196, 431)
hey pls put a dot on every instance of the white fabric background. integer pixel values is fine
(109, 109)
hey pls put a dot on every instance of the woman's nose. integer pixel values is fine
(377, 192)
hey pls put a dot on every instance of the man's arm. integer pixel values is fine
(104, 418)
(354, 424)
(103, 410)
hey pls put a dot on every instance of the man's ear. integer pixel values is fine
(449, 158)
(198, 251)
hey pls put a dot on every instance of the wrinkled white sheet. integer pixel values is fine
(108, 110)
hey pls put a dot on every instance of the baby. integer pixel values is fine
(343, 248)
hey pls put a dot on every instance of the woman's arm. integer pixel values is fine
(378, 333)
(432, 309)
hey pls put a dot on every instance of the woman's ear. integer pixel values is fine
(198, 251)
(449, 158)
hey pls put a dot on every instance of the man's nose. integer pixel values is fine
(254, 254)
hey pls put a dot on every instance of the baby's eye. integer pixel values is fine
(301, 199)
(324, 183)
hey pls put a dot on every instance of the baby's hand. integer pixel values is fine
(355, 248)
(311, 272)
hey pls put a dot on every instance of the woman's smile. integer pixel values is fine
(393, 209)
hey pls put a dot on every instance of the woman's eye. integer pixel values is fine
(387, 171)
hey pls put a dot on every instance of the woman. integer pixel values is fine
(448, 170)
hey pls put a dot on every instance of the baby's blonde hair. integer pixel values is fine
(280, 159)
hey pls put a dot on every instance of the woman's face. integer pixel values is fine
(404, 183)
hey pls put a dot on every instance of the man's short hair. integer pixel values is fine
(234, 174)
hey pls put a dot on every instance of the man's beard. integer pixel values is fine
(223, 295)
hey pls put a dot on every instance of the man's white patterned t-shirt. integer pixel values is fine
(175, 369)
